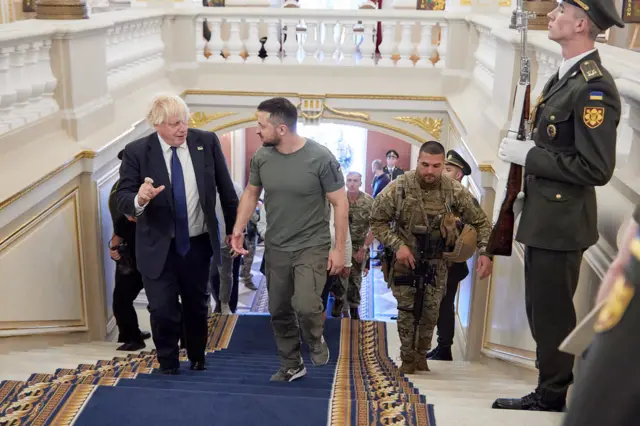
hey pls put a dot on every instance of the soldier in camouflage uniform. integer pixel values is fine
(360, 204)
(424, 197)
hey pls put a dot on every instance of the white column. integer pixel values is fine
(415, 152)
(238, 154)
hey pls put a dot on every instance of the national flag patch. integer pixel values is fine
(595, 96)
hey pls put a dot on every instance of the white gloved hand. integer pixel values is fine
(515, 151)
(518, 205)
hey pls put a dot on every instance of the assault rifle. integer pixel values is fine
(423, 275)
(501, 239)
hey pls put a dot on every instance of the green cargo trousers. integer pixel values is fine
(295, 281)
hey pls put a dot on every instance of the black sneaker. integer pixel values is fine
(289, 374)
(440, 353)
(320, 356)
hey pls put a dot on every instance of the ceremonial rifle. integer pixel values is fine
(501, 238)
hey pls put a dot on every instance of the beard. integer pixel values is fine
(273, 142)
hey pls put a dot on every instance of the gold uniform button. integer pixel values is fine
(541, 105)
(535, 130)
(553, 117)
(558, 196)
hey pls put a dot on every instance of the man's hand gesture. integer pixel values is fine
(147, 192)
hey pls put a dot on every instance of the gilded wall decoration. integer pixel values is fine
(313, 109)
(199, 119)
(428, 124)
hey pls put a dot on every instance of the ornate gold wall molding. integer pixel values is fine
(199, 119)
(89, 154)
(430, 125)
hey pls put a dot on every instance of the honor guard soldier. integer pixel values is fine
(573, 150)
(606, 390)
(455, 168)
(390, 168)
(422, 205)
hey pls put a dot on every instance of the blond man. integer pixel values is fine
(169, 181)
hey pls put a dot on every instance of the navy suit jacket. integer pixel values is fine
(155, 227)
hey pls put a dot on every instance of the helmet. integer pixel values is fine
(465, 246)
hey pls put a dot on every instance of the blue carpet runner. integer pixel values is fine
(360, 386)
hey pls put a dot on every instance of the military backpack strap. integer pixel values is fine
(400, 194)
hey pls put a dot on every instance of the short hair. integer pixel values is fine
(593, 31)
(377, 164)
(432, 148)
(165, 106)
(281, 111)
(355, 173)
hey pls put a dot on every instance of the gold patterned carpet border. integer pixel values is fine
(368, 389)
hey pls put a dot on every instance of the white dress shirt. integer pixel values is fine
(197, 224)
(568, 63)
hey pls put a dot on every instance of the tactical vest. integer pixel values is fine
(430, 214)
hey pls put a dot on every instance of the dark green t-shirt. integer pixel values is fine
(295, 187)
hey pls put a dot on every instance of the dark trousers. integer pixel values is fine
(447, 315)
(215, 285)
(551, 278)
(127, 288)
(185, 277)
(607, 388)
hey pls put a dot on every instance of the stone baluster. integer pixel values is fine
(8, 93)
(329, 44)
(388, 45)
(253, 41)
(49, 104)
(273, 45)
(425, 47)
(32, 73)
(235, 44)
(291, 45)
(201, 42)
(311, 43)
(368, 46)
(406, 47)
(349, 46)
(20, 82)
(215, 45)
(442, 46)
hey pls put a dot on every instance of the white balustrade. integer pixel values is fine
(26, 80)
(135, 50)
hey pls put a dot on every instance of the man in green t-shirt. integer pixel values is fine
(298, 176)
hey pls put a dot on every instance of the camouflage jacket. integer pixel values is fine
(359, 216)
(419, 201)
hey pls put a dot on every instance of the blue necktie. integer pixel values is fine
(180, 201)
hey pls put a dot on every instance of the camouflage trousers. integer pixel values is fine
(355, 283)
(405, 296)
(247, 261)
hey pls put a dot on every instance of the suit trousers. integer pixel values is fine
(224, 282)
(127, 288)
(551, 278)
(447, 315)
(295, 281)
(185, 277)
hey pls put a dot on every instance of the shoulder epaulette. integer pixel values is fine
(590, 70)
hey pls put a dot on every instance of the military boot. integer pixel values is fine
(422, 365)
(407, 367)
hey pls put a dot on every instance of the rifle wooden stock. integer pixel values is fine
(501, 238)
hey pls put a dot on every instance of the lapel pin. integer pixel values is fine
(200, 148)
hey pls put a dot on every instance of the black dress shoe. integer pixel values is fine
(171, 371)
(198, 365)
(144, 335)
(440, 353)
(131, 346)
(531, 402)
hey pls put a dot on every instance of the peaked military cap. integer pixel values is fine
(392, 151)
(602, 12)
(456, 159)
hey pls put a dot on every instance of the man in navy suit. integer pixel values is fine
(168, 180)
